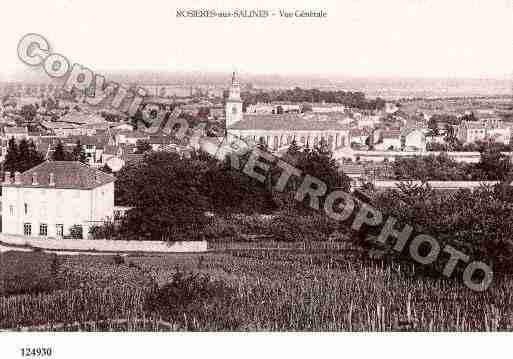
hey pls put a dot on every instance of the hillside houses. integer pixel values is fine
(489, 129)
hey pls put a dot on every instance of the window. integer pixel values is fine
(27, 229)
(59, 230)
(26, 208)
(43, 229)
(11, 210)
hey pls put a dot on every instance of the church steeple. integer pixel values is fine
(234, 93)
(233, 105)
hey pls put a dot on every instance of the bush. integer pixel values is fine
(310, 227)
(105, 231)
(188, 294)
(219, 228)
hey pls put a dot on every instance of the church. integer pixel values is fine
(279, 130)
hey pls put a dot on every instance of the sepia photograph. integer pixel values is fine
(304, 170)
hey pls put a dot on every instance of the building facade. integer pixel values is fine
(51, 198)
(278, 131)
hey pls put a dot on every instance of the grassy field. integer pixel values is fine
(294, 287)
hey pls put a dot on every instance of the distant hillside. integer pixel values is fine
(388, 88)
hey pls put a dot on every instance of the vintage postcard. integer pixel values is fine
(254, 167)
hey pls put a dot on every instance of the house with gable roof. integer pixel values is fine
(50, 198)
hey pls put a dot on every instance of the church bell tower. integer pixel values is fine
(233, 105)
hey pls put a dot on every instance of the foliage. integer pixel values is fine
(142, 146)
(165, 192)
(188, 293)
(293, 227)
(78, 153)
(28, 112)
(104, 231)
(298, 95)
(493, 166)
(477, 223)
(59, 154)
(430, 168)
(21, 156)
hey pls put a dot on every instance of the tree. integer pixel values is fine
(32, 157)
(28, 112)
(319, 163)
(59, 154)
(21, 157)
(293, 149)
(11, 158)
(78, 153)
(433, 126)
(160, 211)
(142, 146)
(493, 165)
(262, 145)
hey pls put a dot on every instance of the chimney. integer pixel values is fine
(17, 177)
(7, 178)
(52, 179)
(34, 179)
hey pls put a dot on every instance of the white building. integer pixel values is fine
(279, 131)
(414, 139)
(50, 198)
(485, 129)
(328, 107)
(18, 133)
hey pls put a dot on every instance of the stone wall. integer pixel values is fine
(102, 245)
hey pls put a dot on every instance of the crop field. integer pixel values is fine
(250, 289)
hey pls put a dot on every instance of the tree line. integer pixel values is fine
(492, 166)
(169, 196)
(22, 155)
(298, 95)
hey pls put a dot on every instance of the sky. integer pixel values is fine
(405, 38)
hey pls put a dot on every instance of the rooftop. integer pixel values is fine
(10, 130)
(291, 122)
(67, 174)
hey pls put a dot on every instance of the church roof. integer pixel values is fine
(290, 122)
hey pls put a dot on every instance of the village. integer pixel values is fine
(364, 142)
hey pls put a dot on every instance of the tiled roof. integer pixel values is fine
(355, 132)
(391, 133)
(352, 169)
(132, 157)
(67, 174)
(133, 134)
(82, 118)
(159, 140)
(290, 122)
(9, 130)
